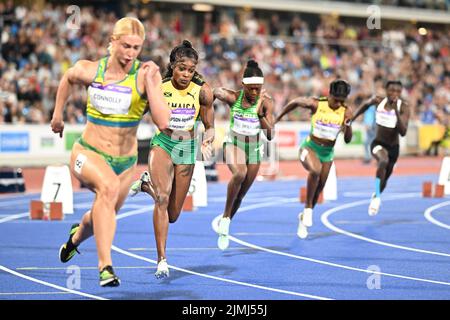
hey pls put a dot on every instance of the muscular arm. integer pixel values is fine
(81, 73)
(347, 128)
(266, 117)
(157, 104)
(303, 102)
(226, 95)
(402, 119)
(363, 108)
(207, 111)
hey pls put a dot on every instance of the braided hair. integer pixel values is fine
(252, 69)
(184, 50)
(340, 88)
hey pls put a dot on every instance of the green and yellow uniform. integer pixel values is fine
(326, 123)
(185, 107)
(117, 104)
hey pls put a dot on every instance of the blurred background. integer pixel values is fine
(301, 47)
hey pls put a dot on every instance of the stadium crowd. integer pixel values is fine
(297, 58)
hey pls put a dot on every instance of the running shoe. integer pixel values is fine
(224, 228)
(68, 249)
(136, 187)
(374, 205)
(302, 230)
(162, 271)
(307, 217)
(108, 278)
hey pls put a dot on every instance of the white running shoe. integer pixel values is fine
(374, 206)
(137, 185)
(307, 217)
(224, 229)
(302, 230)
(162, 271)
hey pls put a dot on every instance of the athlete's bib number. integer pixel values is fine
(110, 99)
(246, 126)
(182, 119)
(326, 131)
(386, 119)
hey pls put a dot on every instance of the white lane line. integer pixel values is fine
(215, 227)
(117, 249)
(185, 249)
(430, 218)
(50, 284)
(81, 268)
(15, 203)
(31, 293)
(14, 217)
(221, 279)
(329, 225)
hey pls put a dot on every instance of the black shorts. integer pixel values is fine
(393, 151)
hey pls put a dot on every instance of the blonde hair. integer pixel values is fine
(125, 27)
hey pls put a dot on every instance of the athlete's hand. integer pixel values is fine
(348, 116)
(152, 75)
(207, 147)
(262, 97)
(377, 99)
(57, 125)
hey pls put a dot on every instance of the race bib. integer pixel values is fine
(386, 119)
(182, 119)
(246, 125)
(111, 98)
(328, 131)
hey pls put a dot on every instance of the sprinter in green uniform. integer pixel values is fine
(173, 150)
(250, 111)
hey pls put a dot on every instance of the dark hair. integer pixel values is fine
(252, 69)
(185, 49)
(396, 82)
(340, 88)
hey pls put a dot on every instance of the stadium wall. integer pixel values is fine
(37, 145)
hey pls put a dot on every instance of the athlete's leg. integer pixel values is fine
(326, 166)
(86, 230)
(312, 164)
(101, 179)
(180, 188)
(161, 173)
(236, 162)
(381, 156)
(389, 170)
(252, 172)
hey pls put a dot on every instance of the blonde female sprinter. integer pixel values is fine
(120, 89)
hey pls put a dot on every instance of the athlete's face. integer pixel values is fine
(127, 48)
(393, 92)
(336, 102)
(183, 71)
(252, 92)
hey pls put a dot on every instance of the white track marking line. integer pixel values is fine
(81, 268)
(14, 217)
(215, 224)
(329, 225)
(136, 212)
(50, 284)
(430, 218)
(31, 293)
(221, 279)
